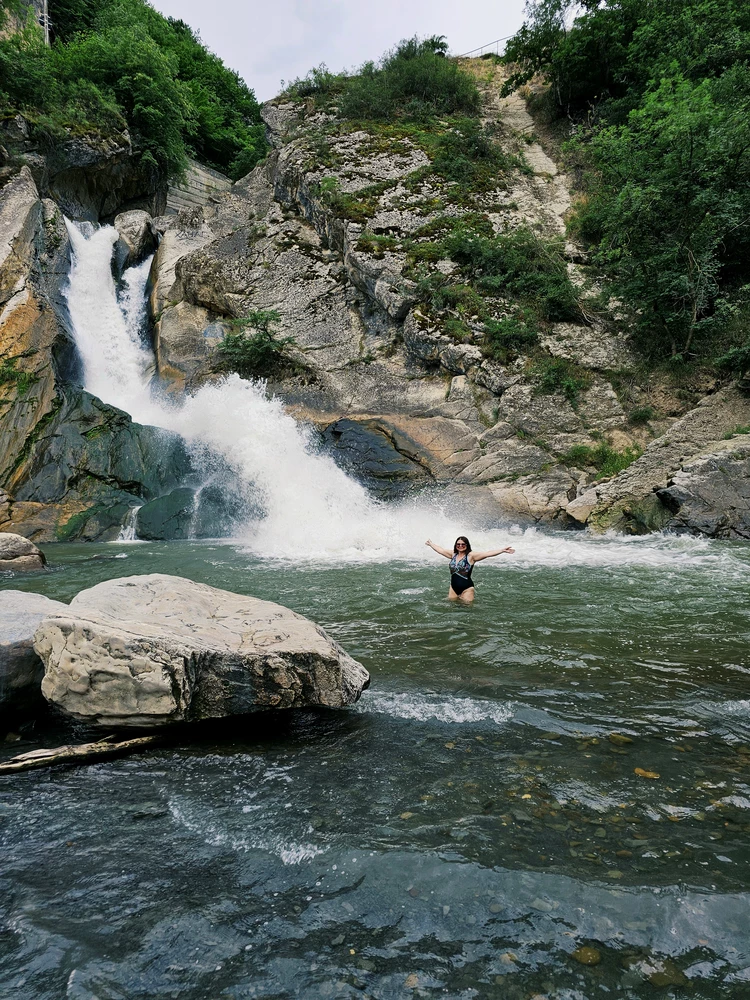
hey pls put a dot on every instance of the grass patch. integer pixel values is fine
(607, 461)
(358, 206)
(739, 429)
(557, 375)
(13, 378)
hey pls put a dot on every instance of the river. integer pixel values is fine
(461, 832)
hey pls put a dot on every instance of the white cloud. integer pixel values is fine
(267, 42)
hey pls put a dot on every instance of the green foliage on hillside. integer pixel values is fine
(413, 81)
(658, 96)
(117, 63)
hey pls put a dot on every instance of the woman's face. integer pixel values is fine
(461, 547)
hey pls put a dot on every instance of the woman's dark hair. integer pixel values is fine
(462, 538)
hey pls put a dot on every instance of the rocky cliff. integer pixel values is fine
(70, 466)
(327, 230)
(342, 230)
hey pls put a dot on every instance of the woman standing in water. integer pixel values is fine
(462, 561)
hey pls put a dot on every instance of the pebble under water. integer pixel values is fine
(474, 827)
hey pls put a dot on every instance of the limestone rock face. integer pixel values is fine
(711, 496)
(151, 650)
(639, 499)
(21, 670)
(18, 554)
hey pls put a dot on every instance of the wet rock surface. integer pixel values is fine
(137, 236)
(152, 650)
(21, 669)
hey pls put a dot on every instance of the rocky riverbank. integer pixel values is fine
(402, 386)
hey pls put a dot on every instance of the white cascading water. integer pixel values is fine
(313, 510)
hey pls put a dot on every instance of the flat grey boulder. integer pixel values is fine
(150, 650)
(19, 554)
(21, 669)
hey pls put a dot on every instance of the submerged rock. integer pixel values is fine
(21, 669)
(151, 650)
(18, 554)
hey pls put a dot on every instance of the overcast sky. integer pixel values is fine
(268, 41)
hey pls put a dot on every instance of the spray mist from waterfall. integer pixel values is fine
(311, 508)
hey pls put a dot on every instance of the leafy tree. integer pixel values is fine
(659, 95)
(117, 61)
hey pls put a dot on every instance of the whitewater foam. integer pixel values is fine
(425, 707)
(208, 829)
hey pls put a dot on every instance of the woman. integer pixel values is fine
(462, 561)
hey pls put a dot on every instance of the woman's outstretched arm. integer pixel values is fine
(439, 549)
(477, 556)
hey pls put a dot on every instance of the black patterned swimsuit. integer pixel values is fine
(460, 574)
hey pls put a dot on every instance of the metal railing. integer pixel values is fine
(495, 47)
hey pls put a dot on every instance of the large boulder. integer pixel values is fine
(21, 670)
(137, 236)
(711, 496)
(150, 650)
(18, 554)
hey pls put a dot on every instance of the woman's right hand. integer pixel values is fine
(428, 542)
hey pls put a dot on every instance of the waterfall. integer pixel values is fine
(312, 508)
(128, 532)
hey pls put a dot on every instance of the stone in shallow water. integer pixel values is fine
(587, 956)
(151, 650)
(19, 554)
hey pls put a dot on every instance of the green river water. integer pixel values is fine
(472, 828)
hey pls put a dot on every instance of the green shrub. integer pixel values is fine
(557, 375)
(257, 354)
(506, 338)
(736, 361)
(468, 155)
(319, 82)
(606, 460)
(414, 80)
(641, 415)
(439, 292)
(518, 264)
